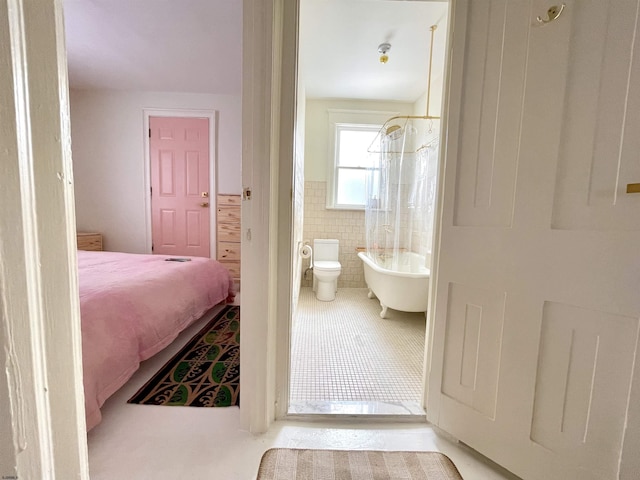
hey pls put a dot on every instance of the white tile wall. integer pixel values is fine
(345, 225)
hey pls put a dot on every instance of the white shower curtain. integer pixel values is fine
(401, 184)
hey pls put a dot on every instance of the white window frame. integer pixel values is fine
(347, 120)
(350, 127)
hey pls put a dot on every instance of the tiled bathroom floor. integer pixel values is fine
(346, 359)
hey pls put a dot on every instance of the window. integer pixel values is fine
(349, 164)
(351, 161)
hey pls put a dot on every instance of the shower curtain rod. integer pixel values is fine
(433, 31)
(404, 117)
(426, 116)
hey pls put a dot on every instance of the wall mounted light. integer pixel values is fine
(383, 48)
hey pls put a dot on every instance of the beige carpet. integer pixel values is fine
(302, 464)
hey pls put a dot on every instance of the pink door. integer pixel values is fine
(180, 203)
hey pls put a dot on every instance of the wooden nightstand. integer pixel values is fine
(89, 241)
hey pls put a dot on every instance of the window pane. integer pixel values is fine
(353, 145)
(351, 187)
(375, 195)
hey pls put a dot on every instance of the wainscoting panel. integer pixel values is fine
(584, 376)
(599, 147)
(489, 136)
(472, 347)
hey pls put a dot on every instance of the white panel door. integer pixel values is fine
(537, 304)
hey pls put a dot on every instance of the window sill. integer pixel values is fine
(347, 208)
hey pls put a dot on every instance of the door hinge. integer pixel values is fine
(151, 191)
(149, 133)
(152, 247)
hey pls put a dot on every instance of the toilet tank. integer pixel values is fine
(325, 249)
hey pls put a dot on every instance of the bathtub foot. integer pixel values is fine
(383, 313)
(371, 294)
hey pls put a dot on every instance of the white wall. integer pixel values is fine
(420, 107)
(435, 101)
(108, 157)
(317, 130)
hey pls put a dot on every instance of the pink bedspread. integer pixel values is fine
(133, 306)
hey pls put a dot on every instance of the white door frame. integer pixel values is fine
(257, 386)
(44, 434)
(287, 125)
(268, 112)
(438, 207)
(285, 198)
(213, 188)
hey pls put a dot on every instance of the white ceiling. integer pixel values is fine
(155, 45)
(339, 47)
(196, 46)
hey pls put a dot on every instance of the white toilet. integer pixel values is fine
(326, 268)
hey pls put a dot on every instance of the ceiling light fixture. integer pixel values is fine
(383, 48)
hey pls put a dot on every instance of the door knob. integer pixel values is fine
(204, 204)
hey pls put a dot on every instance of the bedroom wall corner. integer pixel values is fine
(107, 129)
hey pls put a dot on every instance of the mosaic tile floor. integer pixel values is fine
(342, 351)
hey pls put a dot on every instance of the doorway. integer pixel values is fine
(344, 357)
(180, 170)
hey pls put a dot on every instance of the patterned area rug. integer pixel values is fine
(205, 372)
(300, 464)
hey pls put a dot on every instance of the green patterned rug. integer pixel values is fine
(205, 372)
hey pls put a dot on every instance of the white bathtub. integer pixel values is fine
(406, 290)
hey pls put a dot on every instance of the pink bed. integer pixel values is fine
(133, 306)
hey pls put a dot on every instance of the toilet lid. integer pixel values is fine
(326, 265)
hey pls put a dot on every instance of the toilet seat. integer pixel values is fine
(327, 266)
